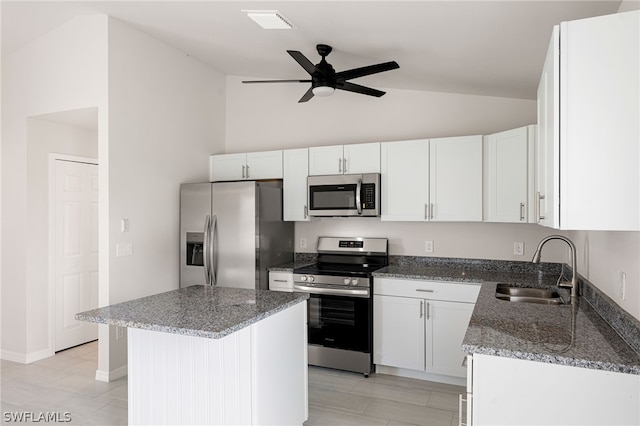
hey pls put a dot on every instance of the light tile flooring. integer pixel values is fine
(65, 383)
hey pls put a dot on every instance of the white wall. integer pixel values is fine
(63, 70)
(268, 116)
(166, 116)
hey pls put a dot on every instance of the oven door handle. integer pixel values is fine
(332, 291)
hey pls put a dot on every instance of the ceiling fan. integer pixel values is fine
(325, 80)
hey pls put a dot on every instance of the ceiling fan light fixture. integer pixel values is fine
(323, 90)
(269, 19)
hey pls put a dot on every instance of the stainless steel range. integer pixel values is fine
(340, 314)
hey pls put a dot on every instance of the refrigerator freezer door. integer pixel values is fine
(195, 205)
(234, 259)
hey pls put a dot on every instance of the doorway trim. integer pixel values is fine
(53, 157)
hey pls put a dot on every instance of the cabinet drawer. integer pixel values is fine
(281, 281)
(435, 290)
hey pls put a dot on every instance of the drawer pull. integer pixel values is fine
(425, 290)
(281, 281)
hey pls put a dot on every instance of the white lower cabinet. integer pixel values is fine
(508, 391)
(281, 281)
(419, 327)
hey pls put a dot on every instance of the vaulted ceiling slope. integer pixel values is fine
(491, 48)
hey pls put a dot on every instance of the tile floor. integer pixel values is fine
(65, 383)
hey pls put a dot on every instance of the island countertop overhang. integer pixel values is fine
(201, 311)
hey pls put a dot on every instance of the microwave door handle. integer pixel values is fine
(358, 199)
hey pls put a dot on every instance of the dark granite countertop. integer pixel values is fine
(573, 335)
(202, 311)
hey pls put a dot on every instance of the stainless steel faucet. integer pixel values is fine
(574, 278)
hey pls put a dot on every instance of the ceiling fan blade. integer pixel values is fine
(351, 87)
(308, 95)
(303, 61)
(371, 69)
(277, 81)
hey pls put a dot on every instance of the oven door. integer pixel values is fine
(340, 322)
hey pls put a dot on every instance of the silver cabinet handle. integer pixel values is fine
(431, 211)
(339, 165)
(421, 308)
(281, 281)
(306, 212)
(427, 303)
(521, 211)
(424, 290)
(243, 172)
(426, 212)
(344, 163)
(539, 198)
(247, 171)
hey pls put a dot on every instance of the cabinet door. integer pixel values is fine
(398, 332)
(325, 160)
(227, 167)
(455, 176)
(508, 176)
(447, 324)
(294, 197)
(600, 123)
(264, 165)
(362, 158)
(548, 143)
(405, 180)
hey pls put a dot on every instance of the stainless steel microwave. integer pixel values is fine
(344, 195)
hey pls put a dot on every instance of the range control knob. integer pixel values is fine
(354, 281)
(303, 278)
(347, 281)
(311, 279)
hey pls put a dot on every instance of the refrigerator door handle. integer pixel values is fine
(206, 250)
(212, 252)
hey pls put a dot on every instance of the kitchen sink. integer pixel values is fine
(509, 292)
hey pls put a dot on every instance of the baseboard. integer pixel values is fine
(109, 376)
(413, 374)
(26, 358)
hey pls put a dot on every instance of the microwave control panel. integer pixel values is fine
(368, 195)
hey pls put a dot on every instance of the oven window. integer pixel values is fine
(333, 197)
(340, 322)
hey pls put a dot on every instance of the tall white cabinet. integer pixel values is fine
(588, 156)
(432, 180)
(294, 184)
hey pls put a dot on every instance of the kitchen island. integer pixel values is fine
(214, 355)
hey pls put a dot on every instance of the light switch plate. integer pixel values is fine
(124, 249)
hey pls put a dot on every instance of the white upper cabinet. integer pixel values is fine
(509, 175)
(432, 180)
(294, 184)
(249, 166)
(455, 179)
(589, 125)
(344, 159)
(405, 180)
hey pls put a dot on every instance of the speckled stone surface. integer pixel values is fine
(574, 335)
(201, 311)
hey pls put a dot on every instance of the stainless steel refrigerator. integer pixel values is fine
(232, 232)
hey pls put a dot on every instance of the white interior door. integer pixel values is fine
(76, 251)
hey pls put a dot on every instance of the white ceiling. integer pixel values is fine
(492, 48)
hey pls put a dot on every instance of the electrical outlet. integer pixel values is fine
(428, 246)
(623, 285)
(303, 243)
(124, 249)
(119, 332)
(518, 249)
